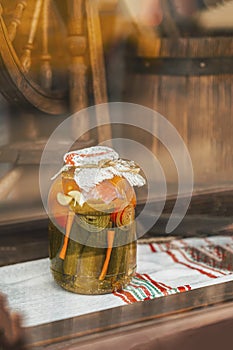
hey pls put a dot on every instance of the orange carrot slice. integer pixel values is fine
(110, 237)
(69, 224)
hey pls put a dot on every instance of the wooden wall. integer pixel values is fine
(200, 107)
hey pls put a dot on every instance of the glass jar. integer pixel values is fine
(92, 236)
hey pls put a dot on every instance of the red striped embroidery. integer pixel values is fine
(161, 288)
(165, 285)
(118, 294)
(145, 290)
(160, 247)
(129, 296)
(200, 264)
(148, 285)
(184, 288)
(152, 248)
(175, 259)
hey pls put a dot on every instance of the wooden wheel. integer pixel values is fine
(45, 54)
(33, 55)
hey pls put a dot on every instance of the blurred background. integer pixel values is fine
(57, 57)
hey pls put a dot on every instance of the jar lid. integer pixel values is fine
(90, 156)
(95, 164)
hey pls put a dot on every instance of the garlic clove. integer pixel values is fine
(78, 197)
(63, 199)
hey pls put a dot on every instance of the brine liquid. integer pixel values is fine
(81, 268)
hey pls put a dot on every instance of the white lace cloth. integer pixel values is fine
(99, 163)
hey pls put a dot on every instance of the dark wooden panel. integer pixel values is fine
(133, 314)
(23, 242)
(201, 329)
(181, 66)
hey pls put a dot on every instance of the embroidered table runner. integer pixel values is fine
(163, 269)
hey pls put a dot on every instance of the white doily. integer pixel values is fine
(87, 178)
(99, 163)
(91, 155)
